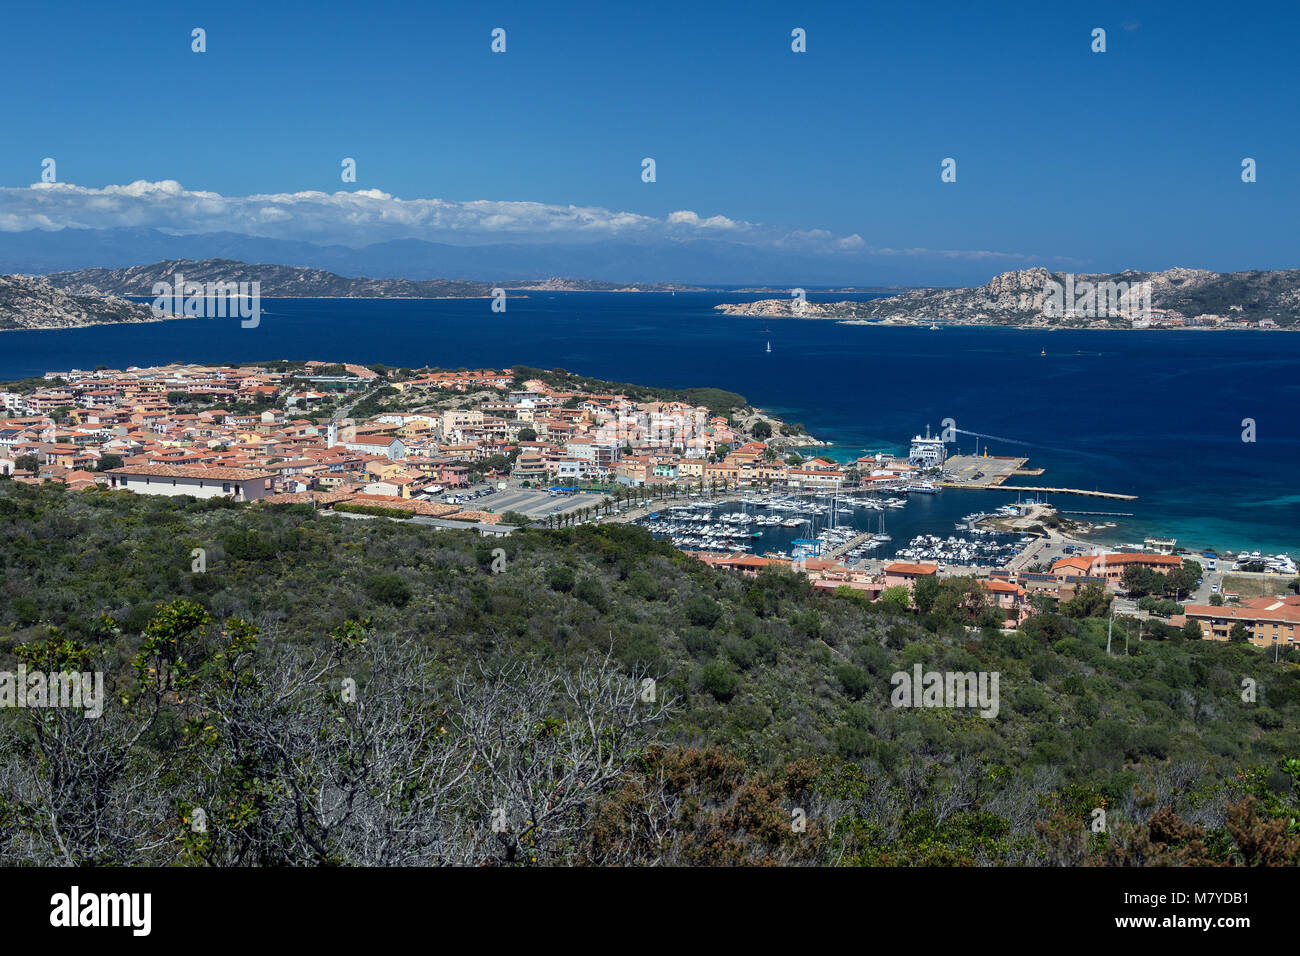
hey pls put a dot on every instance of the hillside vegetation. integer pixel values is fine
(373, 692)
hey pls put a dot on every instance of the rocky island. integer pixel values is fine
(287, 282)
(30, 302)
(1025, 298)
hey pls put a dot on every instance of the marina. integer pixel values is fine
(851, 528)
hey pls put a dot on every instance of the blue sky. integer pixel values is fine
(1129, 158)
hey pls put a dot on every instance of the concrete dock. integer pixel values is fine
(985, 473)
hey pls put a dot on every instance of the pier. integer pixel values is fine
(1099, 514)
(1116, 496)
(983, 486)
(846, 547)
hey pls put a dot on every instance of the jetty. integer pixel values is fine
(846, 547)
(985, 486)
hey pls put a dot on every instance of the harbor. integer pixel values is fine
(881, 508)
(851, 528)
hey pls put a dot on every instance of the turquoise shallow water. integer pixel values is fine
(1156, 414)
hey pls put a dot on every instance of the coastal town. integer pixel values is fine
(493, 450)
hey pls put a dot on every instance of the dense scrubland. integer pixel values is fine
(352, 692)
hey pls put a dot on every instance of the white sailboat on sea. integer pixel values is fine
(769, 346)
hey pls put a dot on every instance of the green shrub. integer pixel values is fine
(702, 611)
(389, 589)
(592, 592)
(717, 678)
(854, 680)
(741, 652)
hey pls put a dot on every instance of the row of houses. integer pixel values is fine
(1268, 621)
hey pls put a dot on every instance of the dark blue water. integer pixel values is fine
(1156, 414)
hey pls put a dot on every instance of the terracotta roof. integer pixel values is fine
(431, 508)
(1082, 563)
(482, 517)
(1284, 610)
(305, 497)
(191, 471)
(1124, 557)
(905, 567)
(372, 440)
(1007, 586)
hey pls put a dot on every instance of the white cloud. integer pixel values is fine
(364, 216)
(351, 218)
(689, 218)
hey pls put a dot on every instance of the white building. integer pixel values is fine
(394, 448)
(579, 469)
(241, 484)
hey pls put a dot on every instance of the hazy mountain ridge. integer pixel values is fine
(1020, 297)
(560, 284)
(281, 281)
(277, 281)
(630, 260)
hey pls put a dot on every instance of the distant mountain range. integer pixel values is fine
(1022, 298)
(700, 262)
(277, 281)
(94, 296)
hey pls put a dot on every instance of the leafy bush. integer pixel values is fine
(561, 578)
(854, 680)
(717, 678)
(702, 611)
(388, 588)
(594, 593)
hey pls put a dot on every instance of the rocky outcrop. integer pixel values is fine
(30, 302)
(1021, 298)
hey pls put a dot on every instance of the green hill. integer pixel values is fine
(517, 697)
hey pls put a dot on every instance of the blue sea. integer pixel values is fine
(1156, 414)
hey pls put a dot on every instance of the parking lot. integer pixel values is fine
(972, 470)
(533, 502)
